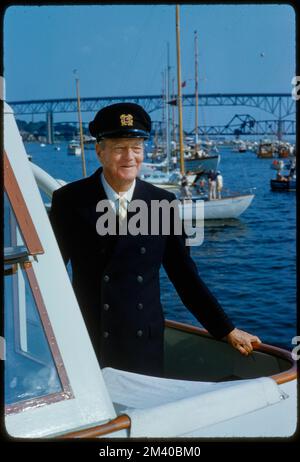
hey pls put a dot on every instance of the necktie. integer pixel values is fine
(122, 207)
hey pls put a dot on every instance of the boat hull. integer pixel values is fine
(220, 209)
(283, 185)
(74, 151)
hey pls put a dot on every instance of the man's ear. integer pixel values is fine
(98, 151)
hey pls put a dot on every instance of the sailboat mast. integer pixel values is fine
(179, 96)
(163, 97)
(80, 127)
(168, 108)
(196, 92)
(173, 113)
(167, 125)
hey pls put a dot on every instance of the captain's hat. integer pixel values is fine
(121, 120)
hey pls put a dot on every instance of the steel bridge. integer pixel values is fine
(280, 105)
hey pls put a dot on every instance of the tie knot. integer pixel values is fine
(122, 200)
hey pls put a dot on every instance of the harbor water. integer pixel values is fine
(249, 264)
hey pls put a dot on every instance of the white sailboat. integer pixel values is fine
(226, 208)
(198, 159)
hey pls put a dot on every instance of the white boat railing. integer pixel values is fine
(45, 182)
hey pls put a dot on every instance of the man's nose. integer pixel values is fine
(128, 152)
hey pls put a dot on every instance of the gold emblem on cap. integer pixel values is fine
(126, 120)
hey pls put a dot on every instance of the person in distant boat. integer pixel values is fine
(115, 276)
(185, 190)
(292, 173)
(201, 186)
(280, 177)
(212, 185)
(219, 184)
(174, 161)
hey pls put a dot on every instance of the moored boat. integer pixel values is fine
(266, 150)
(74, 148)
(218, 209)
(202, 164)
(283, 185)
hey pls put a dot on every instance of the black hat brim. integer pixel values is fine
(125, 133)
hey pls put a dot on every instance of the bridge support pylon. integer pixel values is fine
(50, 131)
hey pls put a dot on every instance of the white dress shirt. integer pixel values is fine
(113, 196)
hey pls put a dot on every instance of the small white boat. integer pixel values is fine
(42, 145)
(74, 148)
(218, 209)
(54, 386)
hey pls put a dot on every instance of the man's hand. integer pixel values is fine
(242, 341)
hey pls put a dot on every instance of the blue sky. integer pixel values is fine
(122, 50)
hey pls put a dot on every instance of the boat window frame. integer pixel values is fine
(66, 392)
(34, 246)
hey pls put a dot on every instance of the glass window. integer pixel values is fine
(30, 371)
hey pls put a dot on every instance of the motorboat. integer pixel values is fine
(54, 386)
(240, 146)
(285, 149)
(288, 184)
(285, 182)
(74, 148)
(266, 149)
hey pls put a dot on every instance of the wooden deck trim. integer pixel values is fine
(282, 377)
(121, 422)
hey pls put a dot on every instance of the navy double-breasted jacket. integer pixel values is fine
(116, 278)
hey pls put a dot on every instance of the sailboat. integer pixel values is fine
(200, 161)
(224, 208)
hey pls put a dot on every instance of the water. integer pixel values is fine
(249, 264)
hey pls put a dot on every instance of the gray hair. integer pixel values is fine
(101, 144)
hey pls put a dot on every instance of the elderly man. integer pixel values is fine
(116, 277)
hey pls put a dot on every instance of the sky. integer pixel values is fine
(121, 50)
